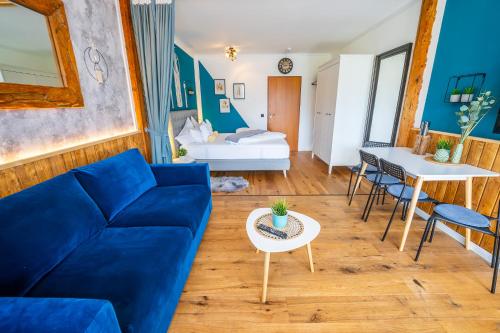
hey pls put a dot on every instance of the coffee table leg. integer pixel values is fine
(309, 254)
(266, 274)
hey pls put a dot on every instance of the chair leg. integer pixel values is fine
(378, 196)
(383, 197)
(424, 236)
(403, 213)
(350, 182)
(371, 205)
(433, 229)
(368, 201)
(352, 192)
(390, 220)
(494, 253)
(495, 272)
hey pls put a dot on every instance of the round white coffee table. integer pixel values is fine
(268, 245)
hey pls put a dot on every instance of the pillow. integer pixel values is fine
(195, 122)
(209, 125)
(184, 137)
(196, 135)
(205, 132)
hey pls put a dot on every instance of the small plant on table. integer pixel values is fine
(280, 213)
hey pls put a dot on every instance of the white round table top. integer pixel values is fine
(311, 231)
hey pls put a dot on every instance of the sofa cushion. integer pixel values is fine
(56, 315)
(167, 206)
(39, 227)
(117, 181)
(136, 269)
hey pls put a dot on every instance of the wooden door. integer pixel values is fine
(283, 107)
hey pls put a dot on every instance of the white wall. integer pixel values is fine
(253, 70)
(395, 31)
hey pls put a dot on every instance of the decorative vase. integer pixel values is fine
(457, 154)
(442, 155)
(466, 98)
(280, 221)
(455, 98)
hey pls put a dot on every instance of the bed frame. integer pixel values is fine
(178, 119)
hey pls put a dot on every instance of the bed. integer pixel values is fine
(222, 156)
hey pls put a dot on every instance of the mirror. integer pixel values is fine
(37, 64)
(27, 55)
(386, 95)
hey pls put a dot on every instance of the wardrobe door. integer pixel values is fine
(321, 93)
(329, 112)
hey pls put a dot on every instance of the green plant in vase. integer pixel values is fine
(455, 95)
(469, 117)
(467, 95)
(443, 149)
(182, 152)
(280, 213)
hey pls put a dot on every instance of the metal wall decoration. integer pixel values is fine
(96, 64)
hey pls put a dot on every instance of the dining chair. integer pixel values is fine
(370, 169)
(466, 218)
(401, 192)
(378, 180)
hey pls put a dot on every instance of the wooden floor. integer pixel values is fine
(360, 283)
(306, 176)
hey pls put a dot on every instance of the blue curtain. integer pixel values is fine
(154, 22)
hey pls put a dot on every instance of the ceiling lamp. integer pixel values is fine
(231, 53)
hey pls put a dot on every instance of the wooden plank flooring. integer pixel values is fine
(360, 283)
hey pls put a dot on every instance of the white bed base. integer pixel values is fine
(248, 165)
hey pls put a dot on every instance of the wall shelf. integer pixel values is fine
(475, 80)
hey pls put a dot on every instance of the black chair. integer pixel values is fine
(379, 181)
(370, 169)
(402, 192)
(466, 218)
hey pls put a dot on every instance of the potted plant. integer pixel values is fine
(467, 95)
(280, 213)
(469, 117)
(443, 149)
(182, 152)
(455, 95)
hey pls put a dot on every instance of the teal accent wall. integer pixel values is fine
(468, 43)
(222, 122)
(186, 66)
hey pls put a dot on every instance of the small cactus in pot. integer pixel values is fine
(443, 149)
(280, 213)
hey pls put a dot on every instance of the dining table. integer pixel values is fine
(423, 170)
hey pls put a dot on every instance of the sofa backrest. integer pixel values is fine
(116, 182)
(39, 227)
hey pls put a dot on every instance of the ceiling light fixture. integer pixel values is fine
(231, 53)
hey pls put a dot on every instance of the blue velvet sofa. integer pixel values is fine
(106, 247)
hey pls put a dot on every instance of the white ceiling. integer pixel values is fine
(271, 26)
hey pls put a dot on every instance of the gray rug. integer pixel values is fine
(228, 184)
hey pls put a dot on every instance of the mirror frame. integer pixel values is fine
(406, 48)
(24, 96)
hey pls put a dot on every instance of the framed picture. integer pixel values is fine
(220, 86)
(238, 90)
(224, 105)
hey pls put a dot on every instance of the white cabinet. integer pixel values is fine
(341, 106)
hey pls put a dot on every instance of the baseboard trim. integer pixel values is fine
(485, 255)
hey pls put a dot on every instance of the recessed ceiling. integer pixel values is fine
(271, 26)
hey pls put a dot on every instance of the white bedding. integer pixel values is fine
(220, 150)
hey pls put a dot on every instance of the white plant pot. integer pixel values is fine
(466, 98)
(455, 98)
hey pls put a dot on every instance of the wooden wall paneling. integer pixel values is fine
(18, 175)
(419, 62)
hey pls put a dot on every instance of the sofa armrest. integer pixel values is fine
(181, 174)
(43, 315)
